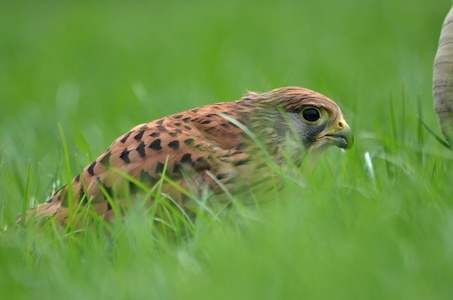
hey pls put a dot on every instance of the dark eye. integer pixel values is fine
(311, 114)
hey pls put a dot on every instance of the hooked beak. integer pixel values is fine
(341, 136)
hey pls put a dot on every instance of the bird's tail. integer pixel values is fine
(43, 211)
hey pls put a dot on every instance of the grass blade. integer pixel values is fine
(68, 178)
(25, 201)
(392, 117)
(438, 138)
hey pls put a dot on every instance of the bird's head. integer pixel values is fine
(288, 116)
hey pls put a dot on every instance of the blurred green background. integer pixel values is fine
(99, 68)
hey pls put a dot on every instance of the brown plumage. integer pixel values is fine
(207, 148)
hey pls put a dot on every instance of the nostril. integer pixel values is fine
(340, 125)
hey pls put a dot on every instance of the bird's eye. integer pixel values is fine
(311, 114)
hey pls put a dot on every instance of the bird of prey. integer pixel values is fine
(214, 147)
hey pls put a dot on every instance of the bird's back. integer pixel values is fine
(190, 148)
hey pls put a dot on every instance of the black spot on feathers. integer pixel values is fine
(125, 137)
(174, 144)
(125, 156)
(141, 149)
(90, 169)
(139, 136)
(155, 145)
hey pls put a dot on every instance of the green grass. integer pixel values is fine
(97, 68)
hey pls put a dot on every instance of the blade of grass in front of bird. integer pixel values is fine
(112, 204)
(179, 188)
(136, 182)
(237, 204)
(200, 200)
(389, 142)
(254, 138)
(68, 180)
(49, 187)
(165, 204)
(420, 137)
(99, 219)
(221, 185)
(177, 216)
(85, 198)
(419, 123)
(182, 191)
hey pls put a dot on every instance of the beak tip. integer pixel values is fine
(344, 137)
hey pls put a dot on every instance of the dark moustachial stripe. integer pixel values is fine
(174, 144)
(125, 156)
(155, 145)
(141, 149)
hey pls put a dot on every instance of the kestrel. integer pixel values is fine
(214, 147)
